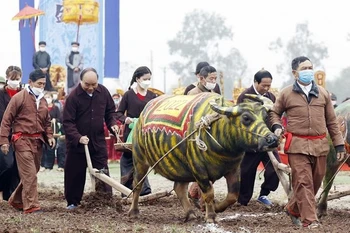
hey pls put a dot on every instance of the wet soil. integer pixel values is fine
(101, 213)
(107, 214)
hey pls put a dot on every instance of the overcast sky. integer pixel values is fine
(146, 26)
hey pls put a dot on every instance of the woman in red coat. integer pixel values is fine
(9, 177)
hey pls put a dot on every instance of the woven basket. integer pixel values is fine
(122, 146)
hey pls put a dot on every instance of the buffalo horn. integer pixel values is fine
(228, 111)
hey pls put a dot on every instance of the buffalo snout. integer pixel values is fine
(268, 142)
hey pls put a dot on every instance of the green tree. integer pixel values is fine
(301, 44)
(205, 37)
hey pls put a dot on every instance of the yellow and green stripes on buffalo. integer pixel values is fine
(158, 132)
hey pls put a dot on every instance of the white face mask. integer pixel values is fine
(48, 100)
(75, 49)
(334, 102)
(210, 86)
(13, 83)
(42, 49)
(55, 96)
(2, 85)
(145, 84)
(37, 90)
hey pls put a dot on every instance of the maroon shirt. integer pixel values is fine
(84, 116)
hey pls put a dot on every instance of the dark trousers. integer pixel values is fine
(61, 152)
(9, 177)
(127, 172)
(49, 155)
(48, 159)
(75, 174)
(249, 167)
(48, 86)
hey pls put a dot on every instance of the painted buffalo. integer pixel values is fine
(198, 152)
(343, 117)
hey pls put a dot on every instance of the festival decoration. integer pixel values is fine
(28, 16)
(80, 12)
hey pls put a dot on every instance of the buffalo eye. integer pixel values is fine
(246, 119)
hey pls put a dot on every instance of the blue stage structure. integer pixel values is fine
(99, 43)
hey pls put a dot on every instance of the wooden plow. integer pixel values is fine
(282, 170)
(95, 173)
(284, 173)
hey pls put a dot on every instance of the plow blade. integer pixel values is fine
(338, 195)
(281, 171)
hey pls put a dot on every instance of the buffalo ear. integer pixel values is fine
(253, 98)
(266, 102)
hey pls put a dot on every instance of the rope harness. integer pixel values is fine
(204, 122)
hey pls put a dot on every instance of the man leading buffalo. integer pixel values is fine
(310, 116)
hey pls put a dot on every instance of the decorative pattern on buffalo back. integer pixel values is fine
(167, 120)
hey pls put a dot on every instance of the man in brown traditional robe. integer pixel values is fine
(28, 117)
(310, 117)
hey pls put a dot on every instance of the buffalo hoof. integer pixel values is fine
(322, 210)
(211, 218)
(322, 213)
(190, 216)
(133, 213)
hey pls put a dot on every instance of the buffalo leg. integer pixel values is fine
(322, 203)
(233, 185)
(208, 198)
(140, 172)
(332, 166)
(180, 189)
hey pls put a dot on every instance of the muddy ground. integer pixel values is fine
(99, 213)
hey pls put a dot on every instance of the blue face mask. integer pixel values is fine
(306, 76)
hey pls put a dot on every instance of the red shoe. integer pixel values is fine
(294, 217)
(17, 206)
(311, 225)
(33, 210)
